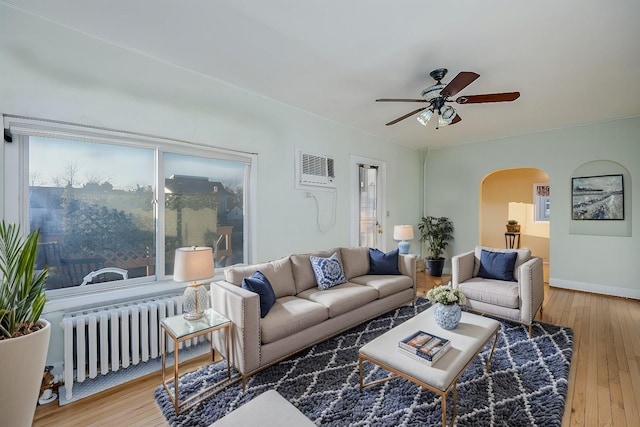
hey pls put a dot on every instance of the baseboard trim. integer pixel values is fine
(595, 288)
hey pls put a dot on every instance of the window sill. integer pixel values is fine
(88, 300)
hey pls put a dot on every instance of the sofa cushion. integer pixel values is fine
(259, 284)
(381, 263)
(303, 271)
(495, 292)
(523, 256)
(278, 272)
(290, 315)
(355, 261)
(385, 285)
(342, 298)
(497, 265)
(328, 271)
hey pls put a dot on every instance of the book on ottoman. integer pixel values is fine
(424, 347)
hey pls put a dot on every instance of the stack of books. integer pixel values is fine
(424, 347)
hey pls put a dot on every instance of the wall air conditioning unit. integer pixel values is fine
(314, 170)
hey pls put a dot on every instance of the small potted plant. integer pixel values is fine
(24, 337)
(448, 302)
(436, 232)
(513, 226)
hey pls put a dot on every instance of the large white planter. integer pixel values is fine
(22, 362)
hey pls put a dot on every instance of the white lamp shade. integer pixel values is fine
(403, 232)
(193, 263)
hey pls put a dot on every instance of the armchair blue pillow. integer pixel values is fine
(497, 265)
(259, 284)
(381, 263)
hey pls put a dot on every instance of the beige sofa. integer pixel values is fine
(517, 300)
(303, 315)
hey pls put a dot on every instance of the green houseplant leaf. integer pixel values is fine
(22, 294)
(436, 232)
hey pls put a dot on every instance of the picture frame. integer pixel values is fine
(597, 198)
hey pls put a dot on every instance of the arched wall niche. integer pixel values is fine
(603, 227)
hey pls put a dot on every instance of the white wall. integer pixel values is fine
(53, 73)
(50, 72)
(595, 263)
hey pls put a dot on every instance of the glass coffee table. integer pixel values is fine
(179, 330)
(467, 341)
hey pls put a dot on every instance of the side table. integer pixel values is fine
(179, 329)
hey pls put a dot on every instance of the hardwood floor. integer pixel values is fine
(604, 380)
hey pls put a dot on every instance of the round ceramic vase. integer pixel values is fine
(447, 316)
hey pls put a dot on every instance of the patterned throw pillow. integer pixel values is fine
(328, 271)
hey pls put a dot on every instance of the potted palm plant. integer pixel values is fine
(436, 232)
(24, 337)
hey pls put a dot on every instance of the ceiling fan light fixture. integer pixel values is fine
(432, 92)
(425, 116)
(447, 113)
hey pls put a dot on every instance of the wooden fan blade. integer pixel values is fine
(456, 119)
(393, 122)
(462, 80)
(400, 100)
(490, 97)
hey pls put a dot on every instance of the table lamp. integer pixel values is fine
(403, 233)
(191, 265)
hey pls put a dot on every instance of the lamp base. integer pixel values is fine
(192, 316)
(403, 247)
(195, 302)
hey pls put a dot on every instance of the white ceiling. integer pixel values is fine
(573, 61)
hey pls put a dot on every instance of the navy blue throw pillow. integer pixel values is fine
(381, 263)
(497, 265)
(259, 284)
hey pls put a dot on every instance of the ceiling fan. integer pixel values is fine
(439, 94)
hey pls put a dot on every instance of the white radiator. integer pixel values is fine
(110, 338)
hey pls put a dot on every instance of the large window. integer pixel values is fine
(93, 205)
(112, 214)
(204, 207)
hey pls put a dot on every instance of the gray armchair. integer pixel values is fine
(491, 288)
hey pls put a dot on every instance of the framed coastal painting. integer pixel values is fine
(597, 198)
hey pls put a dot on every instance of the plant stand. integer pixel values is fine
(512, 240)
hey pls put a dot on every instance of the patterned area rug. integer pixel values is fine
(526, 385)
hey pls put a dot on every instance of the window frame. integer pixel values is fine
(539, 201)
(16, 189)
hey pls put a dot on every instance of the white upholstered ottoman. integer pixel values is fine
(267, 410)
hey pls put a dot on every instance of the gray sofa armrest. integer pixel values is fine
(407, 267)
(531, 283)
(462, 268)
(242, 307)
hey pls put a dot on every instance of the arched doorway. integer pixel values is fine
(511, 194)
